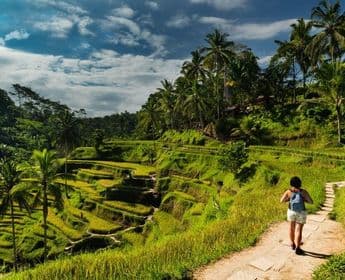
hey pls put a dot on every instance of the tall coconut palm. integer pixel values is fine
(218, 53)
(331, 84)
(167, 101)
(12, 192)
(330, 20)
(195, 105)
(195, 69)
(68, 136)
(300, 39)
(149, 119)
(195, 73)
(46, 171)
(286, 53)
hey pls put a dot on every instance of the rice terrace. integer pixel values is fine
(178, 139)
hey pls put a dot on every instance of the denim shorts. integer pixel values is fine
(298, 217)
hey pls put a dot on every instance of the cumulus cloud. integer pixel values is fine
(265, 60)
(82, 24)
(152, 5)
(128, 32)
(260, 31)
(249, 31)
(124, 11)
(59, 27)
(14, 35)
(60, 5)
(104, 83)
(17, 35)
(67, 16)
(222, 4)
(178, 21)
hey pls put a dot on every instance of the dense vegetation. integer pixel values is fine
(223, 91)
(160, 207)
(170, 243)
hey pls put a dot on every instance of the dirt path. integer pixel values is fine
(272, 257)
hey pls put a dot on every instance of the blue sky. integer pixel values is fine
(107, 56)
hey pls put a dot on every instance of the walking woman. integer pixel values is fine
(296, 214)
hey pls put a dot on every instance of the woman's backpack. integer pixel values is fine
(297, 202)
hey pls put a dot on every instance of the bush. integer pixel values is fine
(332, 270)
(232, 157)
(191, 137)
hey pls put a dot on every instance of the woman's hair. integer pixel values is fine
(296, 182)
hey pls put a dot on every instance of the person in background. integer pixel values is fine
(296, 213)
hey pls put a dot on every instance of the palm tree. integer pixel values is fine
(12, 192)
(195, 69)
(167, 100)
(46, 171)
(286, 54)
(331, 39)
(195, 103)
(300, 39)
(67, 136)
(149, 117)
(331, 84)
(218, 53)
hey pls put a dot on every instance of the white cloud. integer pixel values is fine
(60, 5)
(217, 22)
(249, 31)
(59, 27)
(126, 39)
(222, 4)
(178, 21)
(119, 22)
(67, 16)
(260, 31)
(128, 32)
(124, 11)
(152, 5)
(17, 35)
(265, 60)
(83, 23)
(104, 83)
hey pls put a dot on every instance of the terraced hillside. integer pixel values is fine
(160, 211)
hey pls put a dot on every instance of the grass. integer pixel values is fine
(80, 185)
(84, 153)
(138, 169)
(91, 174)
(59, 224)
(108, 184)
(178, 252)
(95, 224)
(134, 208)
(171, 248)
(334, 269)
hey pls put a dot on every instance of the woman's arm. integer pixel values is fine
(307, 197)
(285, 197)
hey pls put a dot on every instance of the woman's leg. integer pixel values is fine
(298, 238)
(292, 232)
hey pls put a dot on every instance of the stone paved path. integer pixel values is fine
(272, 258)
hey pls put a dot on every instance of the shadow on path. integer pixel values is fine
(316, 255)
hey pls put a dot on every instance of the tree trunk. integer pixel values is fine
(13, 237)
(45, 214)
(304, 83)
(294, 81)
(66, 190)
(339, 123)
